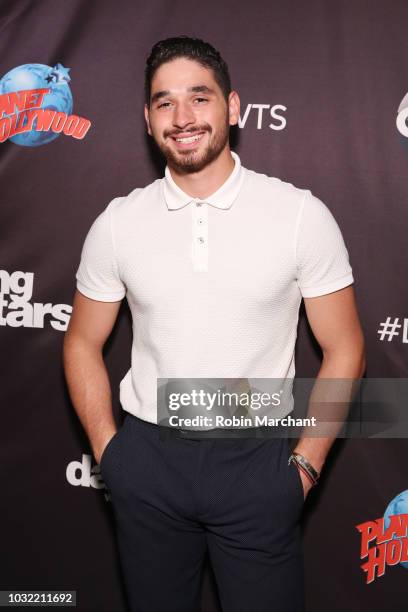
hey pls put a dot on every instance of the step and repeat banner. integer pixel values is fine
(323, 89)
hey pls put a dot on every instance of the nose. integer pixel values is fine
(183, 116)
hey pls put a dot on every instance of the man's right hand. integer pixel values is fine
(100, 448)
(89, 327)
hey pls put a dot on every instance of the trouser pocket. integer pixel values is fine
(108, 446)
(295, 476)
(110, 461)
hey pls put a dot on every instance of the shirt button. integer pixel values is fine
(199, 203)
(200, 239)
(200, 221)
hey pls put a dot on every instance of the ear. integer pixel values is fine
(146, 114)
(234, 107)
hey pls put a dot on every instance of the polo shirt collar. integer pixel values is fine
(222, 198)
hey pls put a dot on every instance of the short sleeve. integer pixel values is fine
(322, 259)
(98, 276)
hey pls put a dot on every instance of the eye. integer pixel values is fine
(200, 100)
(163, 104)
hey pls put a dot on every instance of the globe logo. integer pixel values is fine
(384, 541)
(36, 105)
(401, 122)
(399, 505)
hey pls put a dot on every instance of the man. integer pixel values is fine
(214, 260)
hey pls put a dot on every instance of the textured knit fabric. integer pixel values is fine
(214, 287)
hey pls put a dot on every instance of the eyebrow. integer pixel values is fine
(195, 89)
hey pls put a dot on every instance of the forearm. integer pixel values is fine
(90, 391)
(329, 403)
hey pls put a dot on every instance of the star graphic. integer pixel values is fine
(58, 74)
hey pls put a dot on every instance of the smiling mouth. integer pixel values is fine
(188, 139)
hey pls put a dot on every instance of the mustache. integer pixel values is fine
(190, 131)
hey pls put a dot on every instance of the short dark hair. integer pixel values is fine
(192, 48)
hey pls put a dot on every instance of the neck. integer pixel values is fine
(205, 182)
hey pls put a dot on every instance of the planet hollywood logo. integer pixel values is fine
(384, 541)
(36, 106)
(402, 117)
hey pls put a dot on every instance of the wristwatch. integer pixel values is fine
(305, 466)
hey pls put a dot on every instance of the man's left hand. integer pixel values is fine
(307, 485)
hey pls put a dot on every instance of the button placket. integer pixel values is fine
(200, 235)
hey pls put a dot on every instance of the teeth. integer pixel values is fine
(189, 139)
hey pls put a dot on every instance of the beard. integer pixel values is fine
(186, 162)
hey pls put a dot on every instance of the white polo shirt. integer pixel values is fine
(214, 286)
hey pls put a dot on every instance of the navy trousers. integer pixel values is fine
(175, 498)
